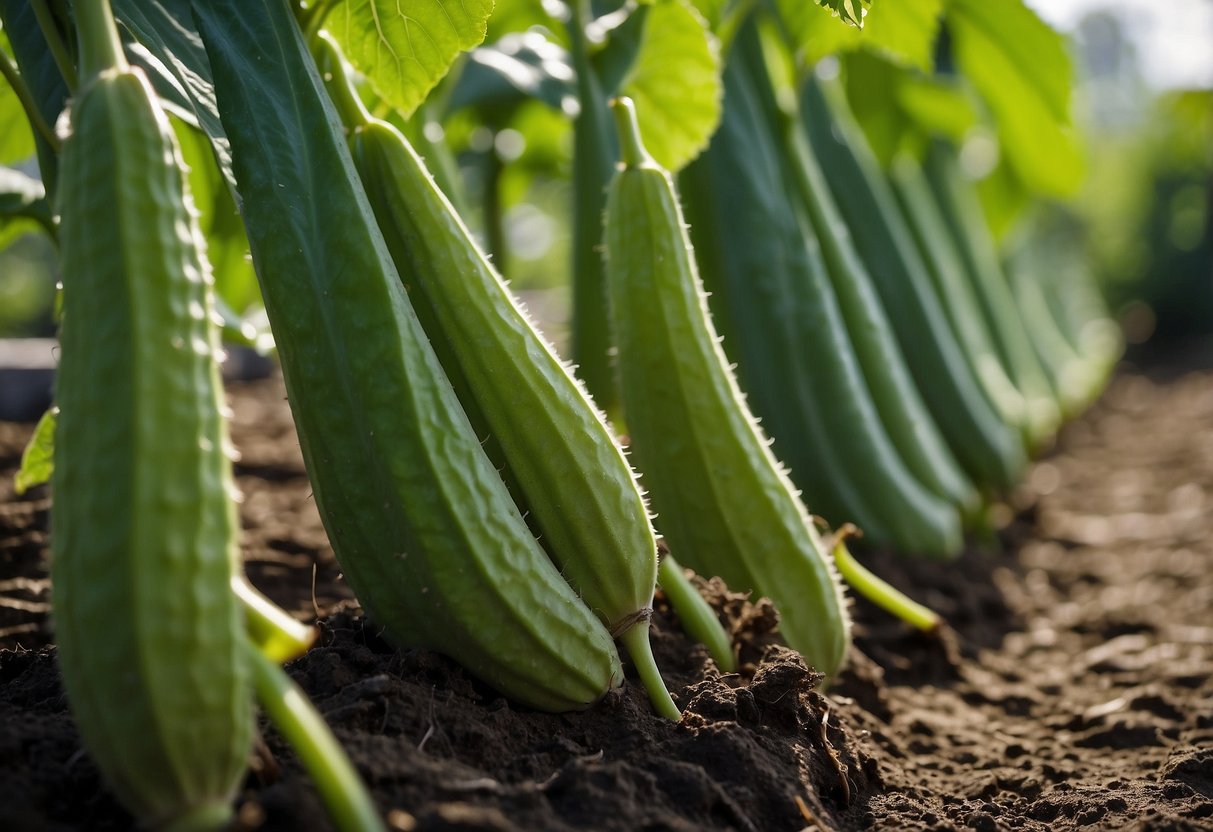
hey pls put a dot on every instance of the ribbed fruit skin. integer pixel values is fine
(722, 500)
(143, 524)
(424, 528)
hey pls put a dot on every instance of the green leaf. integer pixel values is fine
(227, 247)
(899, 107)
(404, 55)
(23, 206)
(17, 139)
(849, 11)
(1021, 69)
(38, 460)
(521, 65)
(675, 84)
(39, 72)
(164, 42)
(903, 31)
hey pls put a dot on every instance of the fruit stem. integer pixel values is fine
(636, 642)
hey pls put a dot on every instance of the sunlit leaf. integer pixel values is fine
(899, 108)
(166, 45)
(17, 138)
(405, 50)
(1020, 68)
(38, 459)
(849, 11)
(39, 72)
(900, 30)
(675, 83)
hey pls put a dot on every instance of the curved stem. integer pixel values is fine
(636, 642)
(54, 41)
(9, 70)
(697, 617)
(273, 630)
(883, 594)
(346, 798)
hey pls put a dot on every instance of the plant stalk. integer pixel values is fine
(346, 798)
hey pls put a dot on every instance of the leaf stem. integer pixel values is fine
(54, 41)
(346, 798)
(9, 70)
(881, 593)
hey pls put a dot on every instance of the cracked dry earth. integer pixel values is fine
(1074, 691)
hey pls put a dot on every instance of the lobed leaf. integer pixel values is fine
(405, 50)
(1020, 67)
(675, 84)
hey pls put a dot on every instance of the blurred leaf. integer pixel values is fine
(405, 55)
(166, 44)
(226, 245)
(511, 16)
(521, 65)
(712, 11)
(1020, 68)
(936, 106)
(23, 206)
(40, 74)
(1003, 199)
(17, 138)
(899, 107)
(38, 459)
(675, 83)
(903, 31)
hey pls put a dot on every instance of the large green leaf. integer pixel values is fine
(166, 44)
(1021, 69)
(40, 74)
(406, 50)
(901, 30)
(16, 139)
(899, 107)
(675, 83)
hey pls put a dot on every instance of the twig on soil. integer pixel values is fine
(839, 766)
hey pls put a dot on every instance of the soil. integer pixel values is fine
(1073, 690)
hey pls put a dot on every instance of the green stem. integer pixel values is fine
(54, 41)
(882, 594)
(631, 147)
(273, 630)
(494, 213)
(346, 798)
(312, 19)
(697, 617)
(636, 642)
(9, 70)
(97, 33)
(593, 166)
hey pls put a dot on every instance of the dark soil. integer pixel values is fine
(1075, 689)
